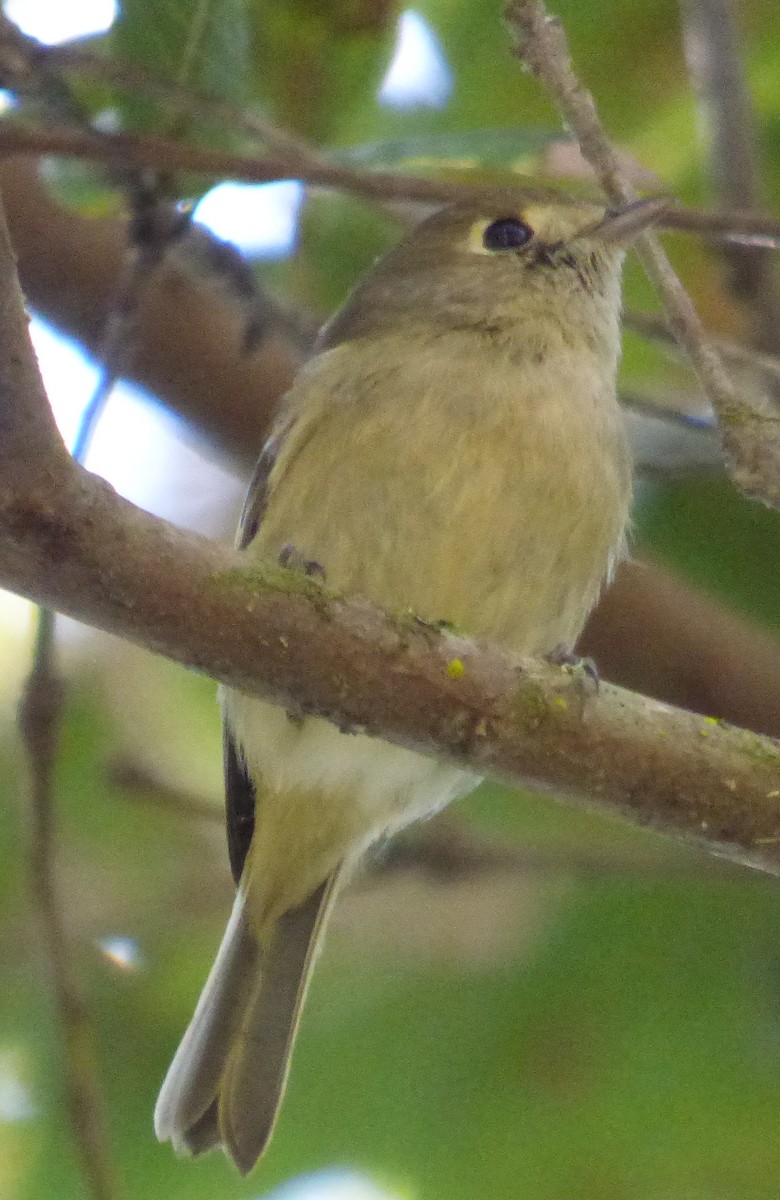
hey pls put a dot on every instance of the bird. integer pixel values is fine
(454, 447)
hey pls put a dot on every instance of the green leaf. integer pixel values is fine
(200, 44)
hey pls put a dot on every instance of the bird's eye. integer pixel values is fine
(507, 233)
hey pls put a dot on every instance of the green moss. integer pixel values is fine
(760, 751)
(262, 575)
(530, 703)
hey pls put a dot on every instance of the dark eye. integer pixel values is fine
(507, 233)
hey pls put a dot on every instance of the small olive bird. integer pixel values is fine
(453, 447)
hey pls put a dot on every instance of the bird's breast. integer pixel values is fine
(472, 488)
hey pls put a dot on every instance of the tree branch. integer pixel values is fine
(189, 350)
(189, 343)
(654, 632)
(67, 541)
(79, 548)
(751, 433)
(149, 151)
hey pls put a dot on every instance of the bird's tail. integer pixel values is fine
(227, 1079)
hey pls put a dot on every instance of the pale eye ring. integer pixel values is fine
(507, 233)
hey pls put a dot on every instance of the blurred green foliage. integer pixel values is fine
(632, 1050)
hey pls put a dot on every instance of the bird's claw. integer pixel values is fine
(294, 559)
(563, 656)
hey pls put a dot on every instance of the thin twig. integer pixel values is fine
(751, 434)
(156, 224)
(40, 718)
(148, 151)
(21, 56)
(738, 223)
(449, 851)
(749, 228)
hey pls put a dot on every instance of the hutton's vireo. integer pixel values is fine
(453, 447)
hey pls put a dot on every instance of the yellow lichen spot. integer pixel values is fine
(704, 733)
(560, 703)
(713, 720)
(455, 669)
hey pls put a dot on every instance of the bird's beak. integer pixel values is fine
(621, 225)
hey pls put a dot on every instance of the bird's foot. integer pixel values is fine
(294, 559)
(585, 668)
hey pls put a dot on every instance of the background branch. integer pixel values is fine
(656, 329)
(136, 152)
(40, 719)
(189, 337)
(443, 847)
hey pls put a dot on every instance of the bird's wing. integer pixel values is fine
(257, 493)
(240, 795)
(240, 799)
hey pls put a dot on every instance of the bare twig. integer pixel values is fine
(40, 718)
(712, 45)
(149, 151)
(735, 225)
(751, 434)
(139, 151)
(299, 156)
(24, 61)
(191, 334)
(448, 850)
